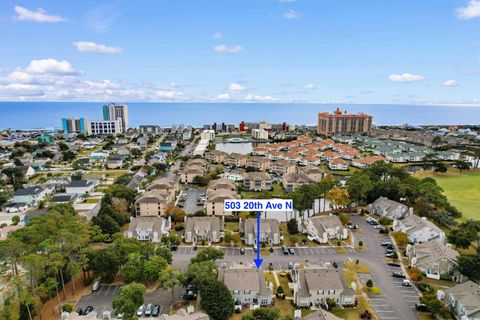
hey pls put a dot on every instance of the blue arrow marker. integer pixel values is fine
(258, 261)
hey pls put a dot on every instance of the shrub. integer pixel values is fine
(369, 283)
(67, 307)
(292, 226)
(360, 244)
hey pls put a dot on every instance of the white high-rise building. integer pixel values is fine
(260, 134)
(207, 135)
(105, 126)
(112, 112)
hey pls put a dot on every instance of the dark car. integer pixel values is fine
(156, 310)
(80, 311)
(242, 250)
(285, 250)
(398, 274)
(87, 310)
(393, 264)
(191, 293)
(174, 247)
(421, 307)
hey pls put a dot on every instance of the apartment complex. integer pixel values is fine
(343, 123)
(104, 127)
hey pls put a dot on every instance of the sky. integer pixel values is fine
(309, 51)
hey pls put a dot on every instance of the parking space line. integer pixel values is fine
(106, 293)
(116, 288)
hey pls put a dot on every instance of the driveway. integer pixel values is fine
(190, 203)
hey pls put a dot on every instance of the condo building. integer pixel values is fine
(343, 123)
(74, 124)
(113, 112)
(104, 126)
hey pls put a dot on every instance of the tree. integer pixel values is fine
(338, 197)
(358, 186)
(153, 266)
(105, 264)
(15, 175)
(469, 265)
(462, 165)
(228, 237)
(465, 234)
(169, 278)
(130, 297)
(199, 180)
(440, 167)
(436, 140)
(435, 306)
(217, 300)
(331, 303)
(68, 155)
(208, 254)
(132, 270)
(135, 153)
(292, 226)
(263, 314)
(15, 220)
(344, 218)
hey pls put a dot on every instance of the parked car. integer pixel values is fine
(406, 283)
(386, 244)
(87, 310)
(377, 226)
(156, 310)
(291, 250)
(398, 274)
(95, 286)
(119, 316)
(392, 255)
(393, 264)
(352, 226)
(290, 266)
(148, 309)
(285, 250)
(242, 250)
(174, 247)
(140, 310)
(421, 307)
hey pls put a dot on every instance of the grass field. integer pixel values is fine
(462, 190)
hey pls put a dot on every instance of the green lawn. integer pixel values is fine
(462, 190)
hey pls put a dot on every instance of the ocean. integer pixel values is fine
(30, 115)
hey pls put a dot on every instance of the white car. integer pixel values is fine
(148, 309)
(140, 310)
(378, 226)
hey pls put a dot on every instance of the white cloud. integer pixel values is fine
(451, 83)
(472, 10)
(222, 97)
(235, 87)
(406, 77)
(310, 86)
(292, 14)
(54, 80)
(50, 66)
(221, 48)
(256, 98)
(23, 14)
(88, 46)
(217, 35)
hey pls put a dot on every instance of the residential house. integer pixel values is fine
(419, 229)
(269, 231)
(367, 161)
(81, 186)
(291, 181)
(66, 198)
(247, 285)
(27, 171)
(282, 167)
(193, 168)
(152, 203)
(311, 160)
(337, 164)
(432, 258)
(463, 299)
(168, 185)
(148, 228)
(15, 207)
(385, 207)
(215, 199)
(313, 285)
(222, 184)
(29, 195)
(208, 229)
(259, 163)
(324, 228)
(313, 172)
(236, 160)
(320, 315)
(257, 181)
(115, 161)
(216, 156)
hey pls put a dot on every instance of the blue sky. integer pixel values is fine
(350, 51)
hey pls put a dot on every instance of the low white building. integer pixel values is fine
(259, 134)
(81, 186)
(419, 229)
(148, 228)
(207, 135)
(324, 228)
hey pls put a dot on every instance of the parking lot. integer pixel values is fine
(249, 252)
(101, 300)
(190, 194)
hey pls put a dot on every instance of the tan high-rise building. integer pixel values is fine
(343, 123)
